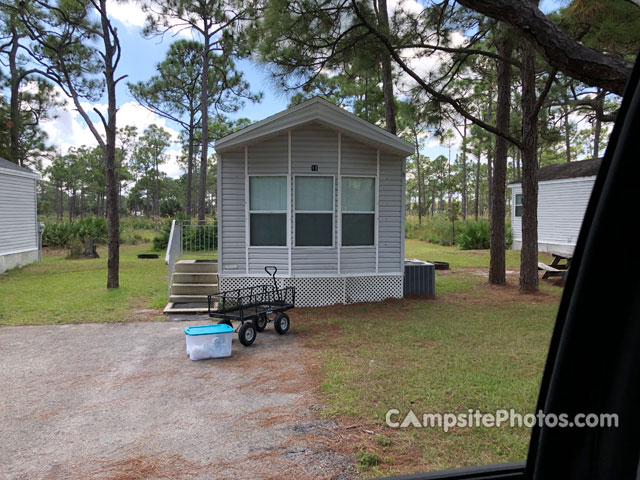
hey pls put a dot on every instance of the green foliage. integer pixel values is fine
(193, 239)
(161, 240)
(367, 459)
(91, 227)
(63, 234)
(470, 234)
(474, 235)
(436, 229)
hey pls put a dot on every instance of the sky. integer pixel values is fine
(140, 56)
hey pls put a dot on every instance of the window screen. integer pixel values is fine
(314, 211)
(268, 211)
(358, 211)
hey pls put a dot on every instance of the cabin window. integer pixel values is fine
(268, 211)
(358, 211)
(314, 211)
(518, 205)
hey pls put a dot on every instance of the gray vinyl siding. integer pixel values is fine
(17, 214)
(260, 257)
(561, 208)
(357, 158)
(314, 145)
(270, 157)
(390, 213)
(311, 145)
(233, 215)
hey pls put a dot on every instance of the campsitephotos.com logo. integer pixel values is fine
(498, 419)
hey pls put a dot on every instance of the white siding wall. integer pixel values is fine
(561, 208)
(232, 252)
(311, 145)
(17, 214)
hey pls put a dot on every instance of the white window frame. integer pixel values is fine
(249, 211)
(516, 205)
(375, 212)
(332, 212)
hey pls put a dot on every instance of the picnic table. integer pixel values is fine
(559, 265)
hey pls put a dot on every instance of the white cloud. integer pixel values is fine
(128, 13)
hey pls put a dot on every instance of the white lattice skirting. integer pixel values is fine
(320, 291)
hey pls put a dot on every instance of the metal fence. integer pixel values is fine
(189, 239)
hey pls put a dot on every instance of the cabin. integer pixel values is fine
(19, 233)
(563, 195)
(319, 193)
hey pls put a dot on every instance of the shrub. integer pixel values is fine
(161, 240)
(57, 234)
(92, 227)
(436, 229)
(368, 459)
(473, 235)
(61, 234)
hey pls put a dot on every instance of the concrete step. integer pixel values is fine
(181, 277)
(188, 298)
(196, 266)
(194, 288)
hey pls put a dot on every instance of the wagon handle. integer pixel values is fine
(272, 275)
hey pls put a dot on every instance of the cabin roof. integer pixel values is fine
(316, 110)
(584, 168)
(11, 168)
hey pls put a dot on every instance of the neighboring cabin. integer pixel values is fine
(18, 216)
(563, 194)
(319, 193)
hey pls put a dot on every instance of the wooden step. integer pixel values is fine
(196, 266)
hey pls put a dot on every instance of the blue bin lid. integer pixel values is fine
(208, 329)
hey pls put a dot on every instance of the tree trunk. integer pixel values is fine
(490, 151)
(387, 71)
(113, 219)
(477, 206)
(567, 135)
(598, 125)
(497, 187)
(156, 200)
(529, 253)
(419, 179)
(205, 125)
(188, 210)
(464, 171)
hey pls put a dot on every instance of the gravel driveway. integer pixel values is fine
(124, 401)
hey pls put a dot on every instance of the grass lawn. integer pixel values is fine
(60, 290)
(472, 347)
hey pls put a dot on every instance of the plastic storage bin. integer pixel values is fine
(208, 341)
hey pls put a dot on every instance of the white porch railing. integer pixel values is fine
(174, 248)
(189, 240)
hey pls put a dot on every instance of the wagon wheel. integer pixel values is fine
(247, 333)
(225, 321)
(261, 322)
(282, 323)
